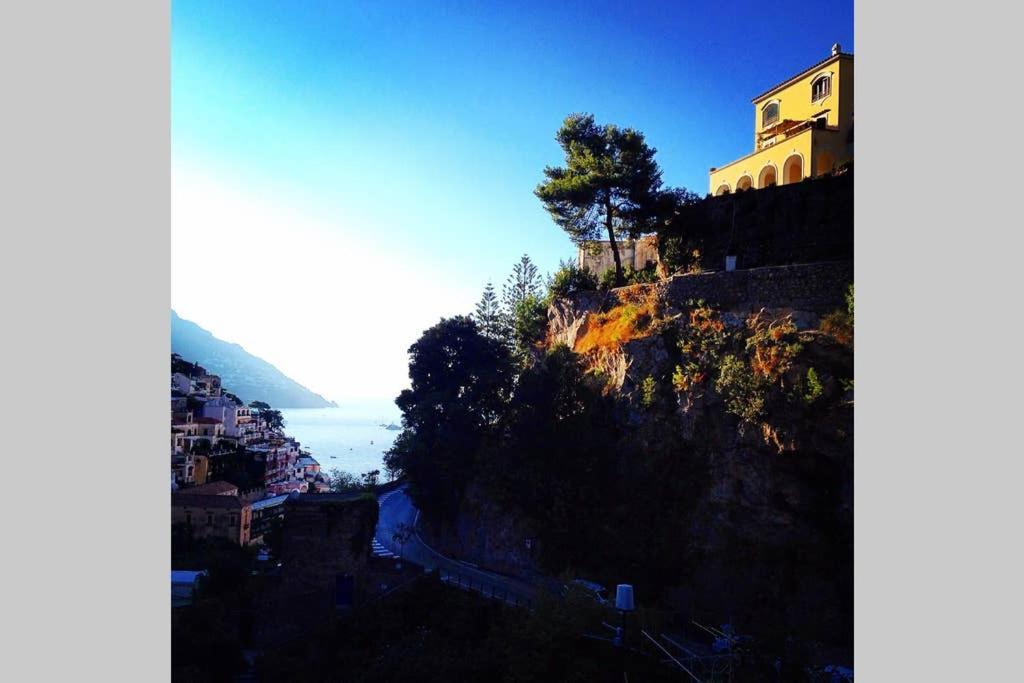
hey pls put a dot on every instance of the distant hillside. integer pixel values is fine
(241, 373)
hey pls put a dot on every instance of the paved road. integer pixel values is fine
(396, 509)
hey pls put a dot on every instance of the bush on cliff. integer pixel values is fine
(630, 276)
(529, 323)
(839, 323)
(703, 339)
(743, 391)
(570, 279)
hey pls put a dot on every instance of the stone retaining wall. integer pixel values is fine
(815, 287)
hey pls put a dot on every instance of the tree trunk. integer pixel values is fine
(619, 279)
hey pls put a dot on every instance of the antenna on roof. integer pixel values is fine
(836, 48)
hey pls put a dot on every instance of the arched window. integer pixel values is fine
(744, 183)
(769, 114)
(767, 177)
(722, 189)
(821, 87)
(793, 170)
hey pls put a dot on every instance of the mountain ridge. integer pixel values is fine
(249, 377)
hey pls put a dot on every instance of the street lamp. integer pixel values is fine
(623, 603)
(624, 598)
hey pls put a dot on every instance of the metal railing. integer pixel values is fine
(482, 588)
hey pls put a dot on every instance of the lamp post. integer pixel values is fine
(623, 603)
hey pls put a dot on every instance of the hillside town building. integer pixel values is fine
(214, 436)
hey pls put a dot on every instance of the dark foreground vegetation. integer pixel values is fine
(720, 484)
(431, 632)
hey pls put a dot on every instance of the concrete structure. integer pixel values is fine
(201, 469)
(308, 465)
(265, 513)
(184, 424)
(181, 383)
(637, 254)
(215, 488)
(212, 516)
(184, 585)
(326, 541)
(803, 127)
(238, 420)
(183, 468)
(804, 222)
(207, 385)
(210, 428)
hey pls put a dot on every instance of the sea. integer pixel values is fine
(351, 438)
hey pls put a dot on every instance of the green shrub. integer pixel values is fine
(529, 322)
(648, 389)
(607, 279)
(630, 276)
(743, 390)
(570, 279)
(773, 345)
(703, 340)
(644, 276)
(814, 386)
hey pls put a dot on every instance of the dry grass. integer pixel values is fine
(632, 318)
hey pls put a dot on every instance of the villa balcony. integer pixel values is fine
(794, 151)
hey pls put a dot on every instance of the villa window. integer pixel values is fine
(821, 88)
(770, 114)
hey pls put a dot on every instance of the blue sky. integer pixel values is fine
(401, 142)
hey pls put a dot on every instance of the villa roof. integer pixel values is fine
(812, 68)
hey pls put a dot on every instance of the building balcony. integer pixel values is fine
(798, 150)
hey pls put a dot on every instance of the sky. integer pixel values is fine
(345, 174)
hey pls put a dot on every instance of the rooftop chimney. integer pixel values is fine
(836, 49)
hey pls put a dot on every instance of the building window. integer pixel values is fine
(770, 114)
(821, 88)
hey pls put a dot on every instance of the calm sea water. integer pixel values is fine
(349, 438)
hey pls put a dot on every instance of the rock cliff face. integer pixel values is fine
(763, 517)
(804, 292)
(487, 535)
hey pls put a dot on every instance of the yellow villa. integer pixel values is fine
(803, 127)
